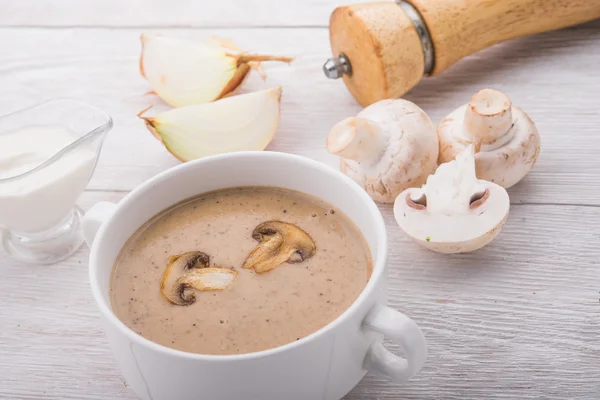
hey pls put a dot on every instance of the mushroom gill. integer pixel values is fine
(279, 242)
(190, 271)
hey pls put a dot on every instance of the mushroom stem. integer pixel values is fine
(284, 255)
(488, 117)
(357, 139)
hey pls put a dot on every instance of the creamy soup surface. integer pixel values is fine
(258, 311)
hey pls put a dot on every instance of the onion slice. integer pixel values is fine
(185, 72)
(237, 123)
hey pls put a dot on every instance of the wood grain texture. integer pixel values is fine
(459, 28)
(383, 47)
(518, 319)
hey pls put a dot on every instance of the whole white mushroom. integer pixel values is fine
(388, 147)
(509, 139)
(454, 212)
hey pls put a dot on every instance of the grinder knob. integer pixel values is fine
(335, 67)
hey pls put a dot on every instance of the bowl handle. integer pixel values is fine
(404, 332)
(93, 219)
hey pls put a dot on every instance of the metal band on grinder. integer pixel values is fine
(422, 32)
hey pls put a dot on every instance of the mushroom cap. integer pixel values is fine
(453, 212)
(505, 160)
(409, 150)
(279, 242)
(190, 271)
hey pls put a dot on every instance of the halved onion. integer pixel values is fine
(237, 123)
(185, 72)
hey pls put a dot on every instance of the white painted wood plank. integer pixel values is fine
(518, 319)
(490, 336)
(165, 13)
(553, 76)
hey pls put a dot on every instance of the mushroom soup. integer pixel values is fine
(239, 270)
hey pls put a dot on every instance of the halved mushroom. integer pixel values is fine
(510, 143)
(191, 271)
(453, 212)
(279, 242)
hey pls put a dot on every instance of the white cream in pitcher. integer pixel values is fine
(39, 200)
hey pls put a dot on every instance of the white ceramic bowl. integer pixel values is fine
(324, 365)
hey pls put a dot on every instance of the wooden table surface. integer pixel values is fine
(519, 319)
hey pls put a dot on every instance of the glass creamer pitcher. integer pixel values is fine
(47, 156)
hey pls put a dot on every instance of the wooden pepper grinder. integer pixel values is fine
(382, 50)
